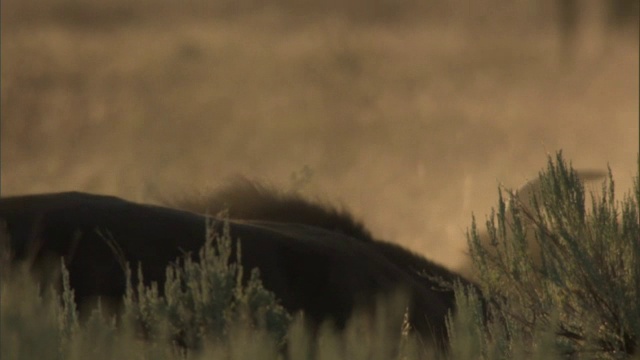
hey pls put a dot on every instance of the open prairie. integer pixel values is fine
(408, 113)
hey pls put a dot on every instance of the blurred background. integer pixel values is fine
(408, 113)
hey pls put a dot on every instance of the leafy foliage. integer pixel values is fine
(206, 300)
(580, 287)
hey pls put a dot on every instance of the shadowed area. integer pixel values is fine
(325, 274)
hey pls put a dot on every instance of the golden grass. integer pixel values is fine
(409, 121)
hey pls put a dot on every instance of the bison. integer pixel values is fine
(323, 269)
(246, 199)
(577, 20)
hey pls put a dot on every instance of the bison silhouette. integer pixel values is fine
(322, 267)
(577, 19)
(246, 199)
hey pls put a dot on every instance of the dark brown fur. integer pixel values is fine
(250, 200)
(326, 274)
(246, 199)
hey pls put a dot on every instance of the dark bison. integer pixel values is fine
(246, 199)
(576, 17)
(326, 274)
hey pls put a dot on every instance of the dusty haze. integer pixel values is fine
(407, 113)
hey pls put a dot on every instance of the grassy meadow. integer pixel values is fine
(578, 302)
(409, 113)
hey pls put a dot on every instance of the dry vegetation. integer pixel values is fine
(578, 302)
(406, 113)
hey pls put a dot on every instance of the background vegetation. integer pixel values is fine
(409, 112)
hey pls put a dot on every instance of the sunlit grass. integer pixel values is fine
(579, 301)
(172, 98)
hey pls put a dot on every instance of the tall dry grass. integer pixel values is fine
(409, 120)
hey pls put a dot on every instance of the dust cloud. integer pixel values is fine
(407, 113)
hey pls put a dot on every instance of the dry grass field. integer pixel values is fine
(409, 115)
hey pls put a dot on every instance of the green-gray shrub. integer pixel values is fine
(205, 299)
(584, 294)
